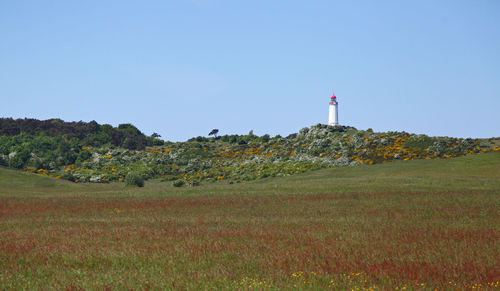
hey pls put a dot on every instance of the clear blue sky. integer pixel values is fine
(182, 68)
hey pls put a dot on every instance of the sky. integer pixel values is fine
(181, 68)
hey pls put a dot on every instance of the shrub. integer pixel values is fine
(130, 129)
(129, 143)
(158, 142)
(68, 176)
(134, 179)
(178, 183)
(84, 155)
(98, 139)
(20, 159)
(201, 139)
(419, 142)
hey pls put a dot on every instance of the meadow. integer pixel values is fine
(416, 224)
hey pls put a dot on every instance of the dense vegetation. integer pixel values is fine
(89, 152)
(50, 144)
(87, 133)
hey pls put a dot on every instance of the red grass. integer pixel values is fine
(390, 238)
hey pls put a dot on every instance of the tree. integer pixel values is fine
(130, 143)
(130, 129)
(214, 132)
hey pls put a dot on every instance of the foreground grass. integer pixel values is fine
(417, 224)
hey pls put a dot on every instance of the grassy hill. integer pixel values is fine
(89, 152)
(421, 224)
(473, 172)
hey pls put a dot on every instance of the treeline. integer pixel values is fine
(48, 144)
(87, 133)
(235, 138)
(251, 137)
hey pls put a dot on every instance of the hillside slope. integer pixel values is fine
(473, 172)
(89, 152)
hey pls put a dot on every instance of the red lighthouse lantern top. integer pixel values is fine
(333, 99)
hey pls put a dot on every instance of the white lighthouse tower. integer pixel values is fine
(333, 111)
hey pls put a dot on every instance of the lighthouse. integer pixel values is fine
(333, 111)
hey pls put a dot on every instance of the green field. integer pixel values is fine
(421, 224)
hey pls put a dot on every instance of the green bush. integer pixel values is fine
(158, 142)
(68, 176)
(20, 159)
(129, 143)
(134, 179)
(99, 139)
(84, 155)
(178, 183)
(130, 129)
(419, 142)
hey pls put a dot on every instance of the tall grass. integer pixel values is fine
(416, 224)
